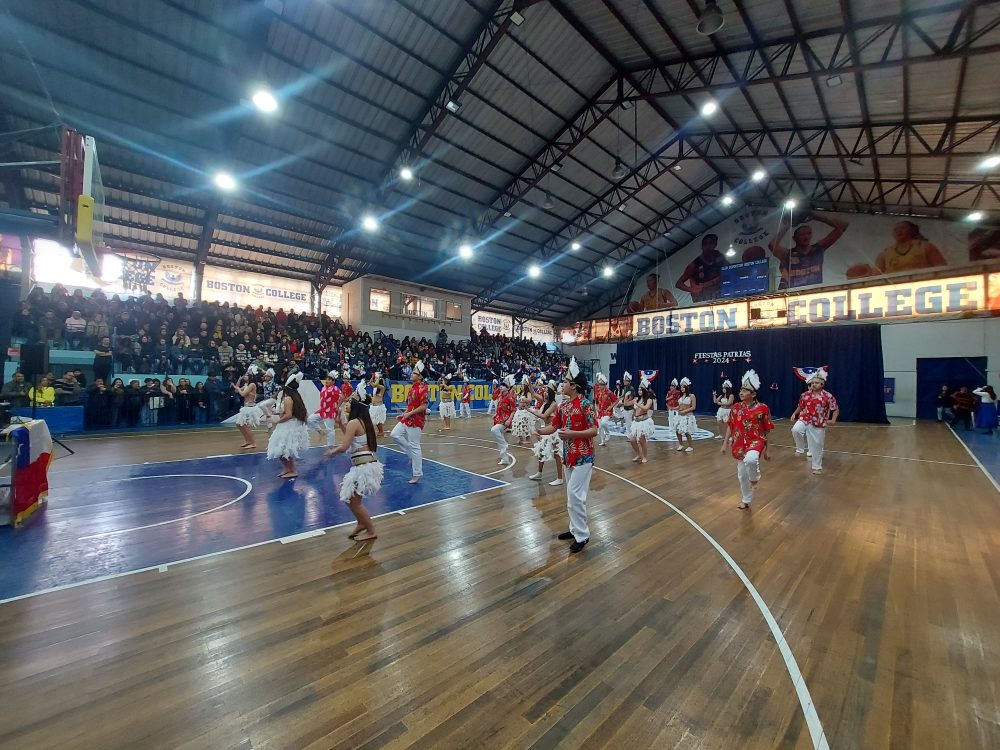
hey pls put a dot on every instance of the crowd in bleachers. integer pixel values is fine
(169, 339)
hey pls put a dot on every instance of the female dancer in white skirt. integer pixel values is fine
(365, 476)
(250, 415)
(724, 401)
(377, 409)
(446, 405)
(687, 402)
(642, 423)
(548, 447)
(290, 438)
(523, 423)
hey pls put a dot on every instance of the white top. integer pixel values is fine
(360, 443)
(984, 395)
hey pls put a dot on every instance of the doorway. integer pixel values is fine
(933, 372)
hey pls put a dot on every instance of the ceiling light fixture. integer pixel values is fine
(711, 19)
(548, 204)
(608, 272)
(369, 223)
(759, 175)
(516, 18)
(975, 216)
(534, 271)
(991, 162)
(406, 174)
(727, 200)
(677, 167)
(833, 81)
(709, 108)
(731, 251)
(225, 181)
(465, 251)
(620, 170)
(264, 100)
(575, 246)
(453, 106)
(790, 204)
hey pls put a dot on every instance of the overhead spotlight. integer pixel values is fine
(627, 104)
(727, 200)
(534, 271)
(608, 272)
(465, 251)
(677, 167)
(406, 174)
(991, 162)
(709, 108)
(711, 19)
(975, 216)
(585, 291)
(547, 204)
(833, 81)
(730, 252)
(759, 175)
(620, 169)
(369, 223)
(516, 18)
(790, 204)
(453, 106)
(622, 207)
(264, 100)
(225, 181)
(507, 214)
(556, 167)
(575, 246)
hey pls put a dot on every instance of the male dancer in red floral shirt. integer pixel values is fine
(506, 403)
(576, 422)
(810, 417)
(749, 423)
(604, 400)
(407, 431)
(329, 408)
(466, 398)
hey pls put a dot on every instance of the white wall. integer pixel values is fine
(600, 352)
(405, 325)
(904, 343)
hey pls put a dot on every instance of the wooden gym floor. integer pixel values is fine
(467, 624)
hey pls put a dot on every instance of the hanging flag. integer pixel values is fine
(649, 375)
(804, 373)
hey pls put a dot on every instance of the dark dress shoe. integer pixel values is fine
(565, 535)
(577, 546)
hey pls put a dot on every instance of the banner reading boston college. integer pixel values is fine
(243, 288)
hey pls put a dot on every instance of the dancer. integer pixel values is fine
(617, 412)
(365, 476)
(687, 402)
(643, 427)
(503, 417)
(749, 423)
(522, 424)
(494, 397)
(817, 408)
(724, 401)
(446, 407)
(466, 398)
(672, 395)
(345, 398)
(986, 414)
(325, 418)
(290, 438)
(411, 422)
(575, 422)
(605, 402)
(628, 401)
(250, 414)
(548, 447)
(377, 408)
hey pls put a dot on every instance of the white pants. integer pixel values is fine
(812, 438)
(629, 413)
(747, 471)
(577, 488)
(492, 408)
(408, 440)
(466, 410)
(331, 434)
(497, 431)
(603, 433)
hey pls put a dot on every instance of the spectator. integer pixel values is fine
(75, 329)
(50, 330)
(97, 329)
(67, 390)
(117, 403)
(195, 356)
(97, 412)
(944, 404)
(200, 399)
(154, 400)
(986, 414)
(25, 325)
(225, 353)
(964, 404)
(16, 390)
(103, 359)
(44, 395)
(135, 398)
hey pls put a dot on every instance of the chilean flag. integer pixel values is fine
(804, 373)
(650, 375)
(31, 480)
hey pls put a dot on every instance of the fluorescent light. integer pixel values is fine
(622, 207)
(759, 175)
(677, 167)
(406, 174)
(991, 162)
(608, 272)
(727, 200)
(369, 223)
(264, 100)
(465, 251)
(730, 252)
(516, 18)
(975, 216)
(575, 246)
(833, 81)
(709, 108)
(452, 106)
(790, 204)
(225, 181)
(534, 271)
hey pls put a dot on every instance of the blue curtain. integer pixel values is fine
(853, 353)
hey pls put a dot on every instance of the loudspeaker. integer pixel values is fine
(34, 360)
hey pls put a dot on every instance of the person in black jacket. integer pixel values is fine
(944, 404)
(135, 397)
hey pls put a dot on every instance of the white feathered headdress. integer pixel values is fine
(333, 374)
(419, 367)
(269, 371)
(297, 377)
(727, 384)
(509, 381)
(685, 381)
(601, 378)
(751, 380)
(361, 392)
(574, 368)
(525, 380)
(644, 383)
(674, 382)
(627, 375)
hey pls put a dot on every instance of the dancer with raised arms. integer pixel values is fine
(725, 402)
(504, 416)
(548, 447)
(367, 472)
(817, 408)
(643, 427)
(409, 428)
(377, 409)
(250, 415)
(290, 438)
(687, 402)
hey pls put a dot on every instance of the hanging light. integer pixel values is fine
(608, 272)
(991, 162)
(406, 174)
(465, 251)
(727, 200)
(731, 251)
(225, 181)
(369, 223)
(575, 246)
(975, 216)
(548, 204)
(711, 19)
(620, 171)
(264, 101)
(709, 108)
(534, 271)
(790, 204)
(758, 175)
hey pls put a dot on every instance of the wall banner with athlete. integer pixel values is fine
(810, 249)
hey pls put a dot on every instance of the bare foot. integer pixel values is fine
(414, 480)
(357, 530)
(365, 538)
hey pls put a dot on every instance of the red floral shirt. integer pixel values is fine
(346, 390)
(506, 405)
(579, 415)
(329, 399)
(673, 397)
(748, 427)
(466, 394)
(416, 397)
(605, 400)
(495, 396)
(815, 408)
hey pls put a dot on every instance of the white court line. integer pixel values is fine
(878, 455)
(247, 491)
(303, 535)
(795, 674)
(454, 468)
(511, 465)
(974, 458)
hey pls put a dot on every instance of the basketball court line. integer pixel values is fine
(879, 455)
(809, 712)
(975, 458)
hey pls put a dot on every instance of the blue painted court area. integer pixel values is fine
(986, 449)
(111, 521)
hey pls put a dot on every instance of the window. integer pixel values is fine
(378, 299)
(421, 307)
(453, 311)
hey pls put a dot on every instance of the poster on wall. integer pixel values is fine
(494, 323)
(243, 288)
(809, 249)
(539, 331)
(332, 302)
(11, 258)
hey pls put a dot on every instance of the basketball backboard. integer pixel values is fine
(82, 197)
